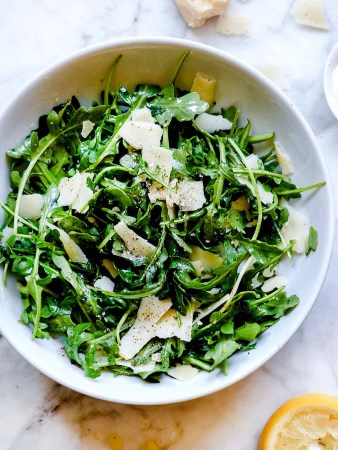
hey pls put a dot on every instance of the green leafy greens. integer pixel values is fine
(203, 231)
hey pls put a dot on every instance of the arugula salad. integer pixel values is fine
(145, 231)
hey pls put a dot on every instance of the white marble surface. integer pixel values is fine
(36, 413)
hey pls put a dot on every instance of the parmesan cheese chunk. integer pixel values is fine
(197, 12)
(75, 192)
(109, 265)
(69, 189)
(273, 283)
(156, 192)
(174, 324)
(188, 197)
(310, 13)
(265, 196)
(253, 161)
(205, 86)
(87, 128)
(105, 283)
(283, 160)
(142, 115)
(208, 260)
(183, 372)
(233, 23)
(31, 206)
(7, 232)
(141, 134)
(73, 251)
(143, 330)
(84, 194)
(135, 244)
(211, 123)
(296, 228)
(159, 160)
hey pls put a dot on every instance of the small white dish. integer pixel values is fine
(331, 80)
(151, 60)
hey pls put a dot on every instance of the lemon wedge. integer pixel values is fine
(307, 422)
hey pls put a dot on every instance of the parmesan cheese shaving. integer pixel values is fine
(273, 283)
(75, 192)
(184, 372)
(135, 244)
(141, 134)
(232, 23)
(197, 12)
(31, 206)
(87, 128)
(265, 196)
(211, 122)
(73, 251)
(296, 228)
(105, 284)
(174, 324)
(284, 160)
(189, 195)
(208, 260)
(7, 232)
(142, 115)
(144, 328)
(310, 13)
(159, 160)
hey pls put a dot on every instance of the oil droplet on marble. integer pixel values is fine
(116, 441)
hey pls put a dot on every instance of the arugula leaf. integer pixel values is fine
(312, 242)
(183, 108)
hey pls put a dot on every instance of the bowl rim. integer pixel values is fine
(245, 67)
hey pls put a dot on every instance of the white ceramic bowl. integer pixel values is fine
(151, 60)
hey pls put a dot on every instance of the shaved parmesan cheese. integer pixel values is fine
(189, 195)
(7, 232)
(31, 206)
(265, 196)
(142, 115)
(135, 244)
(149, 367)
(75, 192)
(87, 128)
(267, 273)
(197, 12)
(105, 283)
(141, 134)
(273, 283)
(174, 324)
(253, 161)
(183, 372)
(296, 228)
(73, 251)
(84, 194)
(156, 192)
(283, 160)
(159, 160)
(109, 265)
(198, 268)
(232, 23)
(310, 13)
(205, 86)
(242, 204)
(143, 330)
(69, 189)
(208, 260)
(255, 281)
(211, 123)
